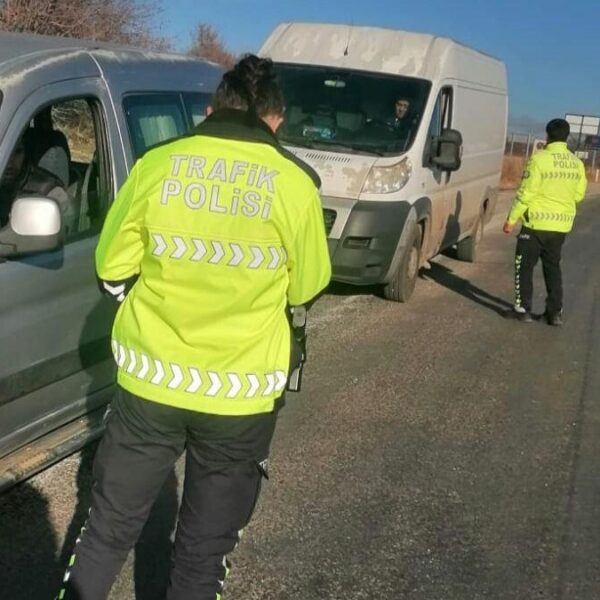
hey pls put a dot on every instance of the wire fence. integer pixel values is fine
(520, 146)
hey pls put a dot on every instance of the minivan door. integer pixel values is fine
(55, 358)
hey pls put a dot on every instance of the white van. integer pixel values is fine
(399, 185)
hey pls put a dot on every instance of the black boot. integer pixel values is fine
(555, 319)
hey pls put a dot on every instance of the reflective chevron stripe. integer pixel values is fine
(215, 384)
(177, 377)
(215, 252)
(238, 255)
(258, 257)
(571, 175)
(159, 375)
(551, 217)
(159, 244)
(254, 385)
(235, 385)
(280, 381)
(270, 387)
(122, 358)
(200, 250)
(219, 253)
(518, 264)
(132, 362)
(145, 367)
(194, 381)
(275, 258)
(181, 247)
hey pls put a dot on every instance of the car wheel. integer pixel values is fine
(402, 284)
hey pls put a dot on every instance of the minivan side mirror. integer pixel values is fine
(447, 150)
(34, 226)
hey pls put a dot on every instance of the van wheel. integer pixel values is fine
(468, 249)
(402, 284)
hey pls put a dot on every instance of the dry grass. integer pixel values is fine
(512, 170)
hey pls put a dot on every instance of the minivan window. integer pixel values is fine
(195, 105)
(441, 119)
(62, 154)
(348, 110)
(154, 118)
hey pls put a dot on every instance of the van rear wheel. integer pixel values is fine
(402, 284)
(468, 249)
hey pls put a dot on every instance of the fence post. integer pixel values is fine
(528, 144)
(512, 143)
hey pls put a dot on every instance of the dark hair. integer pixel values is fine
(558, 130)
(251, 86)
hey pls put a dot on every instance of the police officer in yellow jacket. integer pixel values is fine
(208, 243)
(553, 184)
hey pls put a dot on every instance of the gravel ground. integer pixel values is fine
(438, 451)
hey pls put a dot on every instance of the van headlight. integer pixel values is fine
(385, 180)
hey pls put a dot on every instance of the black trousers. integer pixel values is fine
(531, 246)
(225, 462)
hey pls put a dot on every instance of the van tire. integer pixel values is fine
(468, 249)
(402, 284)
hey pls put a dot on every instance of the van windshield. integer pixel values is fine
(350, 111)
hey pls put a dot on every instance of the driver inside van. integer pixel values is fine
(22, 178)
(402, 121)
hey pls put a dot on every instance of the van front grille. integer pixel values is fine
(329, 216)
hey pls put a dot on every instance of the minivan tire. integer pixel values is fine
(402, 284)
(468, 249)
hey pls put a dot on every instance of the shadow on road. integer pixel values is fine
(447, 278)
(28, 548)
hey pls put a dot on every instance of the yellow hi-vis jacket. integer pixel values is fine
(225, 229)
(553, 183)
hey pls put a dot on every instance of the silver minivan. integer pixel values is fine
(83, 112)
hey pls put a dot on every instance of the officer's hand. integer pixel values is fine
(507, 228)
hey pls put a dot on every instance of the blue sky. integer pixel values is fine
(551, 47)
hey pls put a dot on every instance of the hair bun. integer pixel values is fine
(252, 86)
(254, 70)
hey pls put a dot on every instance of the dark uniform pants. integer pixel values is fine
(531, 246)
(225, 462)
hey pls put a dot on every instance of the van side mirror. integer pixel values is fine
(447, 150)
(34, 226)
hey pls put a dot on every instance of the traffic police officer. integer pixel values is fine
(209, 242)
(553, 184)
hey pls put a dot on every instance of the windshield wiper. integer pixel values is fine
(352, 148)
(323, 145)
(302, 143)
(366, 148)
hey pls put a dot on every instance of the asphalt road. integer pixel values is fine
(438, 451)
